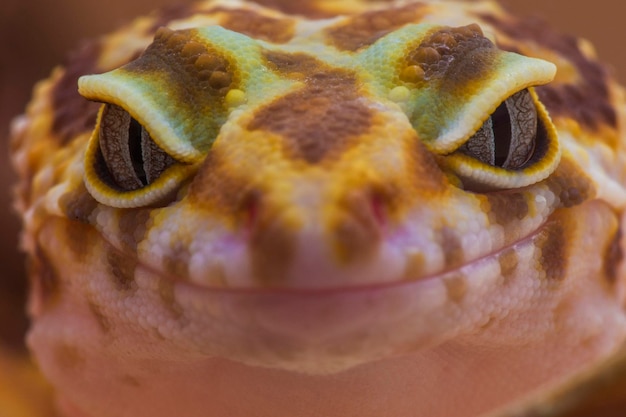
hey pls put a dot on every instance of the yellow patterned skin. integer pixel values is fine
(332, 208)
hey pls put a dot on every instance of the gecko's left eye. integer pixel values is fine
(508, 137)
(515, 147)
(474, 106)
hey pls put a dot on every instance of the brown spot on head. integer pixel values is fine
(78, 204)
(613, 256)
(217, 187)
(427, 174)
(74, 114)
(456, 287)
(272, 246)
(197, 69)
(553, 246)
(168, 298)
(570, 184)
(322, 118)
(457, 54)
(451, 247)
(121, 269)
(581, 103)
(293, 65)
(506, 207)
(356, 233)
(364, 29)
(81, 239)
(258, 26)
(133, 225)
(588, 101)
(508, 261)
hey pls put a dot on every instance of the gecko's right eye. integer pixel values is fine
(132, 158)
(124, 166)
(163, 112)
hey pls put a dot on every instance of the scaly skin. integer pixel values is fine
(316, 224)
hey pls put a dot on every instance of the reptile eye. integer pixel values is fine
(507, 139)
(125, 166)
(515, 147)
(133, 159)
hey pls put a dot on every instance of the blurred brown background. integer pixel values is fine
(35, 34)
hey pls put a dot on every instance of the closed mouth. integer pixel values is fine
(369, 287)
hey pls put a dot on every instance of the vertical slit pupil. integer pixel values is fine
(134, 147)
(502, 134)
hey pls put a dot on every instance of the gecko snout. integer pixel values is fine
(313, 236)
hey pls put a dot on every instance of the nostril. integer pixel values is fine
(251, 208)
(379, 210)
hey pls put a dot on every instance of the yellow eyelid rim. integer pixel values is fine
(166, 184)
(113, 90)
(517, 79)
(468, 168)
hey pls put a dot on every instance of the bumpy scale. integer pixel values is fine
(324, 208)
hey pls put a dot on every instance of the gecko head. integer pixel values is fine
(285, 169)
(312, 208)
(334, 193)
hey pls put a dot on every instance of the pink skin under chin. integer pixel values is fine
(441, 383)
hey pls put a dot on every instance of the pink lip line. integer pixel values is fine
(328, 291)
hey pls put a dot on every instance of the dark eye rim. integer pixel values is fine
(104, 174)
